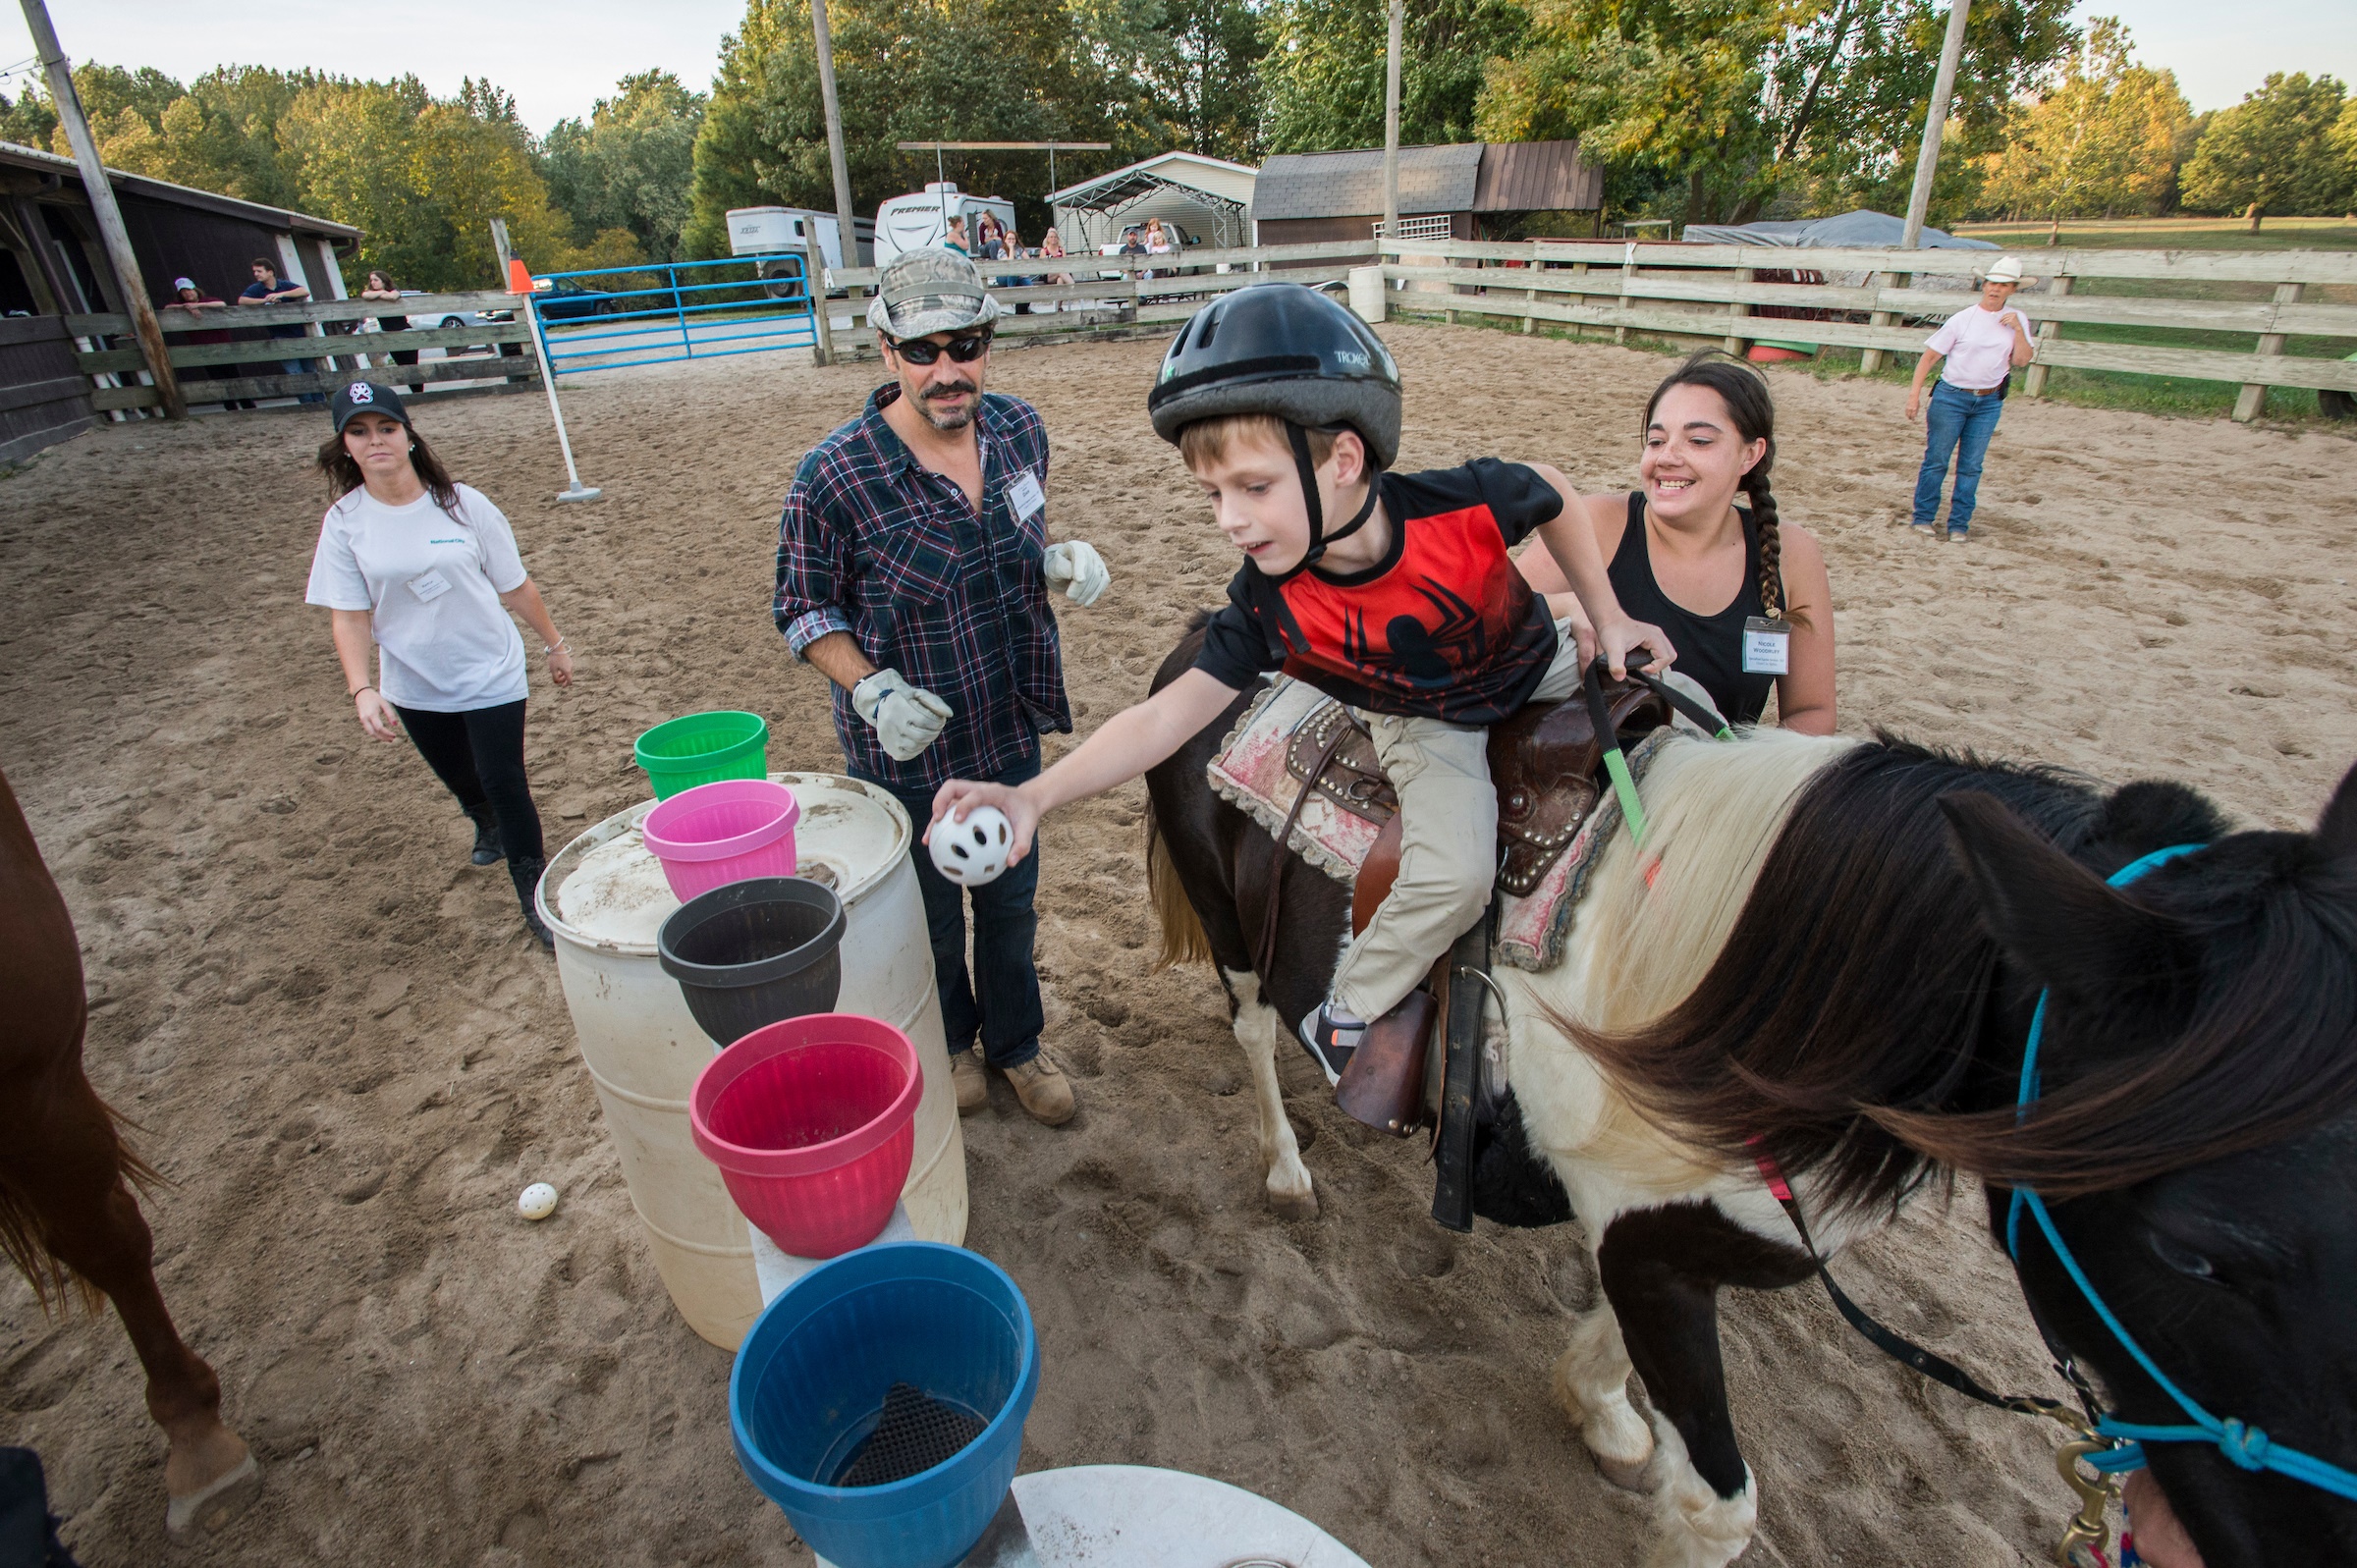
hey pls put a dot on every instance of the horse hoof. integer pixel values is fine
(1628, 1474)
(1294, 1206)
(216, 1503)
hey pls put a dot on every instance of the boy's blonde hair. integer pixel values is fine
(1206, 440)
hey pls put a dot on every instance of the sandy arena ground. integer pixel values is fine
(349, 1058)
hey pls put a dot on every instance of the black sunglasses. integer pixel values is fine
(923, 352)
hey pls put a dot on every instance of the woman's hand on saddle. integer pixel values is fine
(961, 796)
(1615, 639)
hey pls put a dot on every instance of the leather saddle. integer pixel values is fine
(1545, 762)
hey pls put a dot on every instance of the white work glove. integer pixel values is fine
(1079, 570)
(906, 718)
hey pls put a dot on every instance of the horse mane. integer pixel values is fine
(1851, 1025)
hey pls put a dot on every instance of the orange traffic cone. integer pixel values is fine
(520, 276)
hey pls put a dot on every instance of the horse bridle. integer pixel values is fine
(2110, 1446)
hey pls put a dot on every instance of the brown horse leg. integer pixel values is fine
(91, 1223)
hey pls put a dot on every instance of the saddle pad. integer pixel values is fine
(1250, 773)
(1531, 928)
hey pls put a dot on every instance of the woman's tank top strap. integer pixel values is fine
(1710, 647)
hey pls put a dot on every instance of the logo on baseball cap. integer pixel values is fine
(367, 397)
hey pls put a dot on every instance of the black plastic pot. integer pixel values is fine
(753, 952)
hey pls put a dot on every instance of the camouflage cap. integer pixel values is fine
(927, 291)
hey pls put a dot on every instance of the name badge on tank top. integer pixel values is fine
(1766, 646)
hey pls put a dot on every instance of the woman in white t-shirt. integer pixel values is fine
(1982, 346)
(427, 569)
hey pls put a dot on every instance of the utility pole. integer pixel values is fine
(1927, 157)
(844, 219)
(1390, 128)
(109, 217)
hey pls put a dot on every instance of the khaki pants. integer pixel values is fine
(1447, 845)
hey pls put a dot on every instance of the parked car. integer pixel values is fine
(563, 300)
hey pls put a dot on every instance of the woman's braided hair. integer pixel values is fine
(1744, 391)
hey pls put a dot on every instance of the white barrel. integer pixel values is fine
(605, 899)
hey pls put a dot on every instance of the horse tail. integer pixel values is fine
(24, 1240)
(1182, 937)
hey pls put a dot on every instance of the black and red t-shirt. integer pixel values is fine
(1442, 626)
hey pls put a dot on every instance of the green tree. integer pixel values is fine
(1741, 100)
(28, 120)
(2272, 152)
(632, 165)
(1201, 68)
(2103, 138)
(917, 70)
(1323, 76)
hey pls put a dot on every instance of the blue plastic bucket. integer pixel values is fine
(810, 1381)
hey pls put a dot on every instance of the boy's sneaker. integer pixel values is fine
(1330, 1042)
(1923, 529)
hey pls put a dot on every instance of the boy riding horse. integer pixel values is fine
(1286, 409)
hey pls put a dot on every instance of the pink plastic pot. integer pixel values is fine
(812, 1122)
(716, 834)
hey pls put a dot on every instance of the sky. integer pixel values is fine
(558, 59)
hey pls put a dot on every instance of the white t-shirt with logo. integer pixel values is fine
(1979, 346)
(430, 581)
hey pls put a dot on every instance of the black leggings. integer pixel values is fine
(480, 755)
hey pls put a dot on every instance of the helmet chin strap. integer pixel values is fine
(1319, 538)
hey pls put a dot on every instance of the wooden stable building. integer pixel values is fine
(1463, 191)
(53, 267)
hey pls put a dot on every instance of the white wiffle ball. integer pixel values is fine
(974, 849)
(538, 1201)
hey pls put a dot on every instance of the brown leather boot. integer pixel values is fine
(1044, 1090)
(967, 1078)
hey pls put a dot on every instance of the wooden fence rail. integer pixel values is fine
(1707, 293)
(336, 354)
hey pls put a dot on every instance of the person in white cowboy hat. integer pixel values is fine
(1982, 344)
(915, 571)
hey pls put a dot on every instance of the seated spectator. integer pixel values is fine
(1051, 248)
(195, 302)
(956, 237)
(990, 239)
(380, 287)
(268, 290)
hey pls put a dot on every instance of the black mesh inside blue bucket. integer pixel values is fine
(912, 1434)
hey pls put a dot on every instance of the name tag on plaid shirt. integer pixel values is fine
(1025, 496)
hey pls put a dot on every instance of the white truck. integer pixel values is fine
(922, 218)
(756, 231)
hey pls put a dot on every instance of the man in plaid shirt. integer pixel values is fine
(913, 571)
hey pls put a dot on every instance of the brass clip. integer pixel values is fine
(2088, 1527)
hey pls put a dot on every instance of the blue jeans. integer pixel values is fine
(1960, 423)
(999, 1005)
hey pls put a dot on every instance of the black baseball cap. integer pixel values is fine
(365, 396)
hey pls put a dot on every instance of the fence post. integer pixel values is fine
(1736, 310)
(1628, 270)
(2252, 399)
(2033, 384)
(815, 284)
(1579, 331)
(1870, 360)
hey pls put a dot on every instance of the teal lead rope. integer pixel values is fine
(2245, 1446)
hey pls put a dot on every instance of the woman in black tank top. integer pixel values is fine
(1685, 558)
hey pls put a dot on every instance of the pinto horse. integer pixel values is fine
(1827, 955)
(67, 1219)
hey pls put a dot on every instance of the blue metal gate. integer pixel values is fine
(610, 318)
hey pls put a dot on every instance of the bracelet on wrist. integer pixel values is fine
(356, 690)
(556, 647)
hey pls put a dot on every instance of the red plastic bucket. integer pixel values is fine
(716, 834)
(812, 1123)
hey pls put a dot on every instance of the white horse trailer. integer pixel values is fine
(753, 231)
(922, 218)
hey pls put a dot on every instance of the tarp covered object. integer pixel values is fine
(1863, 229)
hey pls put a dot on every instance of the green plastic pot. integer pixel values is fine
(703, 748)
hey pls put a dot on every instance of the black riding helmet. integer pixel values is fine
(1281, 349)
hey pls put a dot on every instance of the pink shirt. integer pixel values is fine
(1979, 347)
